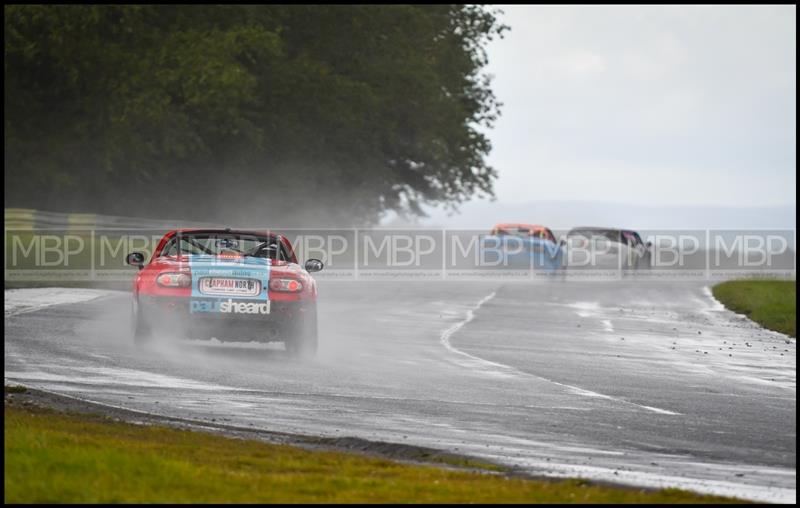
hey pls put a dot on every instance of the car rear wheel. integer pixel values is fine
(303, 341)
(141, 331)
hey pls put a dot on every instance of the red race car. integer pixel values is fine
(236, 285)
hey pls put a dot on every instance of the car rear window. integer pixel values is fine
(214, 244)
(607, 234)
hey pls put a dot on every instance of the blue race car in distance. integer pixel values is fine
(523, 246)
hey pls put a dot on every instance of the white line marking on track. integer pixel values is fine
(508, 370)
(716, 305)
(115, 376)
(21, 301)
(585, 309)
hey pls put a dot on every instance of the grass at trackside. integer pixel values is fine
(770, 303)
(55, 457)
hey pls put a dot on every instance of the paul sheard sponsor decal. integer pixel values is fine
(245, 281)
(230, 306)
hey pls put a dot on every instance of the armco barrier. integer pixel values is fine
(20, 223)
(26, 218)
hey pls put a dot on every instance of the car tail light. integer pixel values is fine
(174, 280)
(285, 285)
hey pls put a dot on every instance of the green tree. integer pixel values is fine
(250, 113)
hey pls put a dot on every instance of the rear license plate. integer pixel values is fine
(226, 286)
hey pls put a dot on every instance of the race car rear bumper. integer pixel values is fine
(173, 315)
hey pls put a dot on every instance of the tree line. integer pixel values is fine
(295, 114)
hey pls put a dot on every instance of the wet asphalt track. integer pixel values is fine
(637, 382)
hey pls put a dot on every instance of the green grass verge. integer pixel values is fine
(770, 303)
(53, 457)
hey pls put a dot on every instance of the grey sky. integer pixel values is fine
(672, 105)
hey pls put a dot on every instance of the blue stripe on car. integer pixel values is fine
(212, 266)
